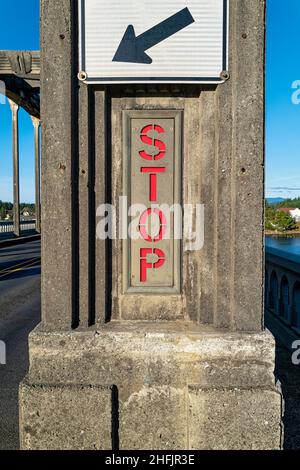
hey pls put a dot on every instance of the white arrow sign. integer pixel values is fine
(138, 41)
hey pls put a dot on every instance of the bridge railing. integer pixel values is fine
(282, 286)
(7, 227)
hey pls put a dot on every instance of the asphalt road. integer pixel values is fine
(20, 274)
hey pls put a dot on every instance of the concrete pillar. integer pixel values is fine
(16, 179)
(188, 370)
(37, 160)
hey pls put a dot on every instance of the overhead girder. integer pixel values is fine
(20, 73)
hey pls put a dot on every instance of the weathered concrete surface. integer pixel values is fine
(199, 354)
(59, 159)
(223, 169)
(153, 368)
(154, 418)
(234, 419)
(66, 418)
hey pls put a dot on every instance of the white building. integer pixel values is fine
(295, 213)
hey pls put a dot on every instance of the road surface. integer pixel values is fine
(19, 314)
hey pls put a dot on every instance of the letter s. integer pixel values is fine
(149, 141)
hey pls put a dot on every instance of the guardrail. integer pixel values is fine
(8, 226)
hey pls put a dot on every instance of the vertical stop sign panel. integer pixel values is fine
(152, 162)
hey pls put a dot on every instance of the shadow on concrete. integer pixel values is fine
(289, 376)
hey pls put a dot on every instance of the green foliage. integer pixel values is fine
(291, 203)
(30, 207)
(2, 213)
(279, 221)
(8, 206)
(270, 216)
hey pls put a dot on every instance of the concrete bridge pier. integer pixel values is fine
(188, 366)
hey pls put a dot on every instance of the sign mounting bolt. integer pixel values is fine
(225, 75)
(82, 76)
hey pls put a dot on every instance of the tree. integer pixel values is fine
(2, 213)
(270, 217)
(285, 222)
(292, 203)
(279, 220)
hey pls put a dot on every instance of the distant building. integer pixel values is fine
(26, 212)
(295, 213)
(8, 215)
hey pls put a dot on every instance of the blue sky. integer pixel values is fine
(20, 30)
(283, 117)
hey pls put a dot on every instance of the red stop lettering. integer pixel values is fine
(162, 225)
(145, 265)
(153, 180)
(149, 141)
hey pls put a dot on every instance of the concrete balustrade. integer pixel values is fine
(7, 226)
(282, 286)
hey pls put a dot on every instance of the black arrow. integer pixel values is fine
(132, 48)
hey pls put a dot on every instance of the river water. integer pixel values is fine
(288, 244)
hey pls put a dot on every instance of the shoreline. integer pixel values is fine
(290, 233)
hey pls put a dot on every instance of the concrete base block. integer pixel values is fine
(234, 419)
(65, 417)
(154, 418)
(175, 386)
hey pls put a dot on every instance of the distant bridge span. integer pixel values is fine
(20, 82)
(20, 72)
